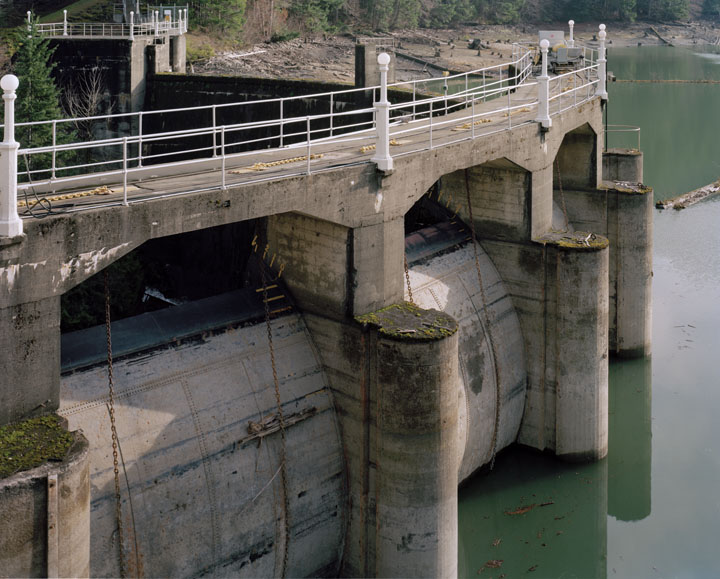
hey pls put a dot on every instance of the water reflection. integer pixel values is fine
(535, 512)
(630, 456)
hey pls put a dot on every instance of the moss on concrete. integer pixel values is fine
(578, 240)
(30, 443)
(406, 321)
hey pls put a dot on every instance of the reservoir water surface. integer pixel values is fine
(652, 507)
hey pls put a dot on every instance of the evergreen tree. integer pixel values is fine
(38, 98)
(711, 8)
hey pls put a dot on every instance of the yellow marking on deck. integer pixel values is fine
(263, 166)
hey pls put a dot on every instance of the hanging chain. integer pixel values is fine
(496, 426)
(113, 430)
(562, 195)
(281, 419)
(407, 279)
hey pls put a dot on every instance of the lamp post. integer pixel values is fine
(10, 222)
(602, 66)
(382, 119)
(544, 88)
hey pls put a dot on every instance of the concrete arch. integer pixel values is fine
(491, 348)
(576, 166)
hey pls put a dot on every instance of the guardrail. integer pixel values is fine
(139, 25)
(624, 129)
(174, 142)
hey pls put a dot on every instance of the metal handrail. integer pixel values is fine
(625, 129)
(214, 144)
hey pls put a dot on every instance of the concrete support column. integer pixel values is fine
(336, 271)
(630, 227)
(45, 518)
(622, 165)
(417, 439)
(581, 349)
(29, 359)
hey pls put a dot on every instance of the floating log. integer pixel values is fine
(690, 198)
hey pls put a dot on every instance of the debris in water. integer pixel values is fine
(496, 542)
(494, 563)
(532, 568)
(521, 510)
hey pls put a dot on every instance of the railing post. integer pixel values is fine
(157, 23)
(544, 89)
(309, 137)
(185, 20)
(571, 40)
(125, 169)
(65, 23)
(282, 124)
(332, 111)
(602, 66)
(214, 126)
(382, 107)
(132, 25)
(29, 23)
(54, 144)
(222, 150)
(140, 135)
(10, 222)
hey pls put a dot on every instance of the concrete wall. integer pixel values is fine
(206, 492)
(125, 66)
(45, 525)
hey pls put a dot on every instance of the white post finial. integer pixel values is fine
(602, 66)
(571, 40)
(132, 25)
(64, 22)
(10, 222)
(382, 119)
(544, 88)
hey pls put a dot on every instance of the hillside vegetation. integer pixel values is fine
(250, 21)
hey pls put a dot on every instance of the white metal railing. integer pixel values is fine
(175, 142)
(625, 129)
(154, 23)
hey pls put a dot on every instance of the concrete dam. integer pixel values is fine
(374, 324)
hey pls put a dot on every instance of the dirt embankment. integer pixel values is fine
(332, 59)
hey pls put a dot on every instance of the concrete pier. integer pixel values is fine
(416, 445)
(45, 518)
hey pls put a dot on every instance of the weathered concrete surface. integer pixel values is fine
(623, 165)
(581, 347)
(194, 460)
(31, 337)
(338, 271)
(450, 282)
(536, 276)
(26, 513)
(417, 449)
(623, 212)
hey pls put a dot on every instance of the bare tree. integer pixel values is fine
(83, 96)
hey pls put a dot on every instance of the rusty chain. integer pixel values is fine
(407, 279)
(113, 431)
(281, 419)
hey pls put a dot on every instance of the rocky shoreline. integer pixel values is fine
(331, 59)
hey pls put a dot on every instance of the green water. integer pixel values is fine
(652, 507)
